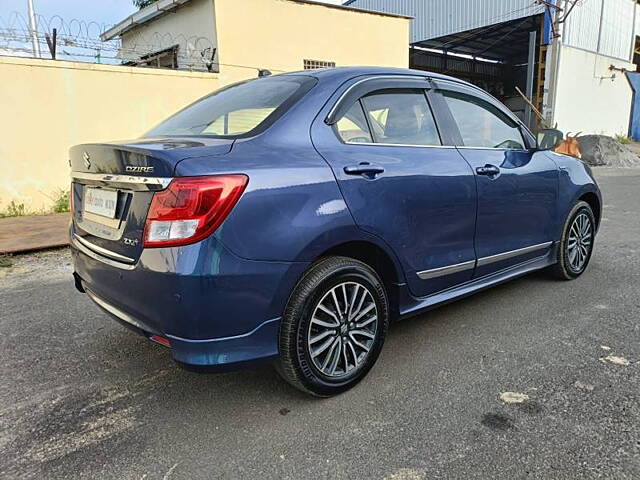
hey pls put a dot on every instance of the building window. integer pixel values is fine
(313, 64)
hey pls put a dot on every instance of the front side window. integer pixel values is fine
(483, 125)
(239, 110)
(401, 117)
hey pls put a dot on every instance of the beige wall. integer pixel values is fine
(587, 99)
(280, 34)
(48, 106)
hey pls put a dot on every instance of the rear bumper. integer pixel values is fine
(219, 311)
(210, 355)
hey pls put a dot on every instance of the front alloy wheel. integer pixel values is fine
(579, 242)
(333, 327)
(576, 245)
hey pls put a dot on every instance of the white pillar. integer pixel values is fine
(32, 30)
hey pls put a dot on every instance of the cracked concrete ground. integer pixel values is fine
(523, 380)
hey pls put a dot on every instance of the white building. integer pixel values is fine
(570, 57)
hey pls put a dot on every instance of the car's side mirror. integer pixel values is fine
(550, 139)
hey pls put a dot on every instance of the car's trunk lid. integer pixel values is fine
(113, 184)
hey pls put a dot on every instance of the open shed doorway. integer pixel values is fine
(497, 58)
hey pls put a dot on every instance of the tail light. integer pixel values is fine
(191, 209)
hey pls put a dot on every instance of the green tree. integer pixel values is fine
(143, 3)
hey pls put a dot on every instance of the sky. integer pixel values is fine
(107, 12)
(101, 11)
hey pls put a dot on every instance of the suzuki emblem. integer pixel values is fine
(87, 160)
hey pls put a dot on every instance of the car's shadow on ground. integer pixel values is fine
(134, 358)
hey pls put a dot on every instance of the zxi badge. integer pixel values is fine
(87, 160)
(132, 242)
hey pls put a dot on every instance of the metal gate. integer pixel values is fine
(634, 124)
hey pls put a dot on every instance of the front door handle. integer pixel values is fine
(364, 168)
(488, 170)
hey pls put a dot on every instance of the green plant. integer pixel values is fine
(5, 261)
(61, 201)
(14, 210)
(623, 139)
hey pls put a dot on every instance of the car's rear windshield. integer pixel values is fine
(241, 110)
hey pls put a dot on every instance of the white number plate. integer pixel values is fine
(101, 202)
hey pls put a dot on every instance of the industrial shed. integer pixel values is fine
(569, 57)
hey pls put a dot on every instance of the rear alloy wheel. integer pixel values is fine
(342, 329)
(577, 242)
(334, 327)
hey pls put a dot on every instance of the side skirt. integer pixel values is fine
(410, 305)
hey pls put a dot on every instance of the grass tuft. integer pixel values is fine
(623, 139)
(14, 210)
(61, 201)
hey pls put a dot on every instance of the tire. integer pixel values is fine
(312, 319)
(568, 267)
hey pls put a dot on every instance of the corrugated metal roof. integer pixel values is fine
(436, 18)
(611, 35)
(602, 26)
(616, 38)
(581, 30)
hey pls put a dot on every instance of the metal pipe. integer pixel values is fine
(530, 76)
(33, 29)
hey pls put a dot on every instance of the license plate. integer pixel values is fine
(101, 202)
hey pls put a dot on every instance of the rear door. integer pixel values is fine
(517, 186)
(400, 183)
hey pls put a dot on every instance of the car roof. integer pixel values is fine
(346, 73)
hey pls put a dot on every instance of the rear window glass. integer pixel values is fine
(240, 110)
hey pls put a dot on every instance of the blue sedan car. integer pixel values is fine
(290, 218)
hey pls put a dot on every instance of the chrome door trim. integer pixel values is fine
(369, 78)
(512, 253)
(459, 147)
(129, 182)
(448, 270)
(515, 150)
(100, 258)
(461, 267)
(374, 144)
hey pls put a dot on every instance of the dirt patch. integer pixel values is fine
(45, 266)
(51, 429)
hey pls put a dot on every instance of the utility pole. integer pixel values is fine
(32, 30)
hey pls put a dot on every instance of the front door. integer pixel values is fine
(517, 187)
(401, 185)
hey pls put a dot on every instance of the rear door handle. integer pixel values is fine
(364, 168)
(488, 170)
